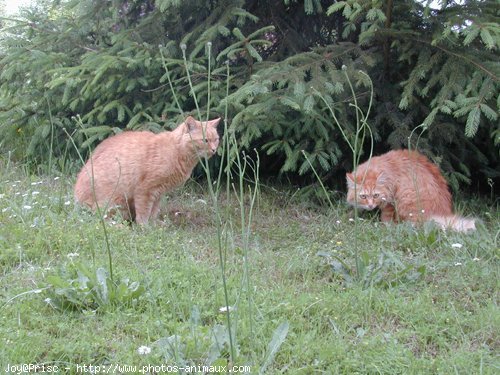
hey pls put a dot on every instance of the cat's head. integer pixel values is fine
(367, 190)
(202, 136)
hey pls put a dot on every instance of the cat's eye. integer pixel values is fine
(376, 195)
(362, 196)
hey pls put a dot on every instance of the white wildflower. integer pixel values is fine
(338, 221)
(456, 245)
(37, 183)
(476, 259)
(72, 255)
(47, 300)
(351, 219)
(458, 264)
(143, 350)
(35, 192)
(56, 178)
(67, 203)
(224, 309)
(26, 207)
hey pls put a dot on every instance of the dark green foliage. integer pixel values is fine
(81, 288)
(90, 68)
(385, 270)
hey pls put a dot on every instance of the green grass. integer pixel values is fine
(439, 317)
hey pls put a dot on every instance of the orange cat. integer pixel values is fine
(132, 170)
(406, 186)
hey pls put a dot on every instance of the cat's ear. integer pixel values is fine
(381, 178)
(350, 180)
(214, 123)
(190, 124)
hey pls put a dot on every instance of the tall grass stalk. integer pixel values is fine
(240, 163)
(221, 245)
(330, 203)
(188, 75)
(234, 163)
(213, 192)
(413, 171)
(246, 219)
(356, 146)
(160, 47)
(51, 145)
(98, 208)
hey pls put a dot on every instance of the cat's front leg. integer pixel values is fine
(127, 209)
(155, 210)
(387, 213)
(143, 208)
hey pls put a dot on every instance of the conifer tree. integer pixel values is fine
(92, 68)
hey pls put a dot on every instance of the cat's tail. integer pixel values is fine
(455, 222)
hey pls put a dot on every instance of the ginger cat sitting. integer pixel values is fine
(406, 186)
(132, 170)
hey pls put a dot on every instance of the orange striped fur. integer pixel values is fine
(130, 172)
(406, 186)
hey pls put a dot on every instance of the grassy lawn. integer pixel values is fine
(422, 302)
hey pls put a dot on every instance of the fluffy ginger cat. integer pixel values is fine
(131, 171)
(406, 186)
